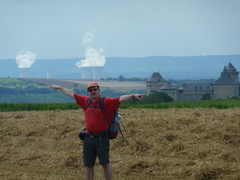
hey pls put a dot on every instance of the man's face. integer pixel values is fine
(94, 92)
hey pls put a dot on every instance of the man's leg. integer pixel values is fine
(89, 172)
(107, 171)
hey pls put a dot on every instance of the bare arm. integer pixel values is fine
(124, 98)
(68, 92)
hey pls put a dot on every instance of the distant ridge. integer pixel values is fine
(170, 67)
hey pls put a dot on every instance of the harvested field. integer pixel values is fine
(115, 85)
(161, 144)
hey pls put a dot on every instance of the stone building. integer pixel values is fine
(155, 82)
(226, 86)
(193, 91)
(170, 89)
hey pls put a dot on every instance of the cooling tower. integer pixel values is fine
(24, 72)
(98, 72)
(51, 73)
(87, 73)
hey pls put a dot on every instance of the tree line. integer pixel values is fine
(32, 94)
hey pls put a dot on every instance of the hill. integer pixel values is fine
(169, 144)
(36, 90)
(189, 67)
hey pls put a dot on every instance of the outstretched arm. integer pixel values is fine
(68, 92)
(124, 98)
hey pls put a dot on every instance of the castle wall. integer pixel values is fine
(237, 90)
(154, 86)
(172, 92)
(189, 97)
(224, 91)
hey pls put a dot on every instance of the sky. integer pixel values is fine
(54, 29)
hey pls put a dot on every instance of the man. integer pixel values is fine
(97, 126)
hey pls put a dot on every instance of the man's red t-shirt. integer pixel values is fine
(94, 117)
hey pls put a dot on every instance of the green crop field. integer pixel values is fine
(219, 104)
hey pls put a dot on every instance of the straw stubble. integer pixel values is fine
(161, 144)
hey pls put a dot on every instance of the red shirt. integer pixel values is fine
(94, 117)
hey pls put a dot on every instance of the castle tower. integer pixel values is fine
(227, 85)
(231, 71)
(155, 82)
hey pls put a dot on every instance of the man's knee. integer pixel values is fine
(89, 167)
(106, 165)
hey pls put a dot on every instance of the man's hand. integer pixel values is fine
(124, 98)
(138, 96)
(68, 92)
(55, 87)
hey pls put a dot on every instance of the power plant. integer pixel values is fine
(98, 72)
(24, 72)
(24, 62)
(92, 72)
(51, 73)
(87, 73)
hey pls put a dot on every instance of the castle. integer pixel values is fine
(226, 86)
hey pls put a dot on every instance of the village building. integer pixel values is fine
(226, 86)
(155, 82)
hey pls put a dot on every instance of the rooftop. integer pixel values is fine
(197, 86)
(225, 79)
(168, 85)
(230, 68)
(156, 76)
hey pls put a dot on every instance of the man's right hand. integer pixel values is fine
(55, 87)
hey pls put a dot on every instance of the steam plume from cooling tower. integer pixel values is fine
(25, 60)
(93, 56)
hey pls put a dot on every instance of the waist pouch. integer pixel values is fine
(82, 134)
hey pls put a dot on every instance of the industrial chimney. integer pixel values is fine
(24, 72)
(98, 72)
(87, 73)
(51, 73)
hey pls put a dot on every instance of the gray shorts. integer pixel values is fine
(93, 147)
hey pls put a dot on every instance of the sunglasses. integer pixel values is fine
(91, 90)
